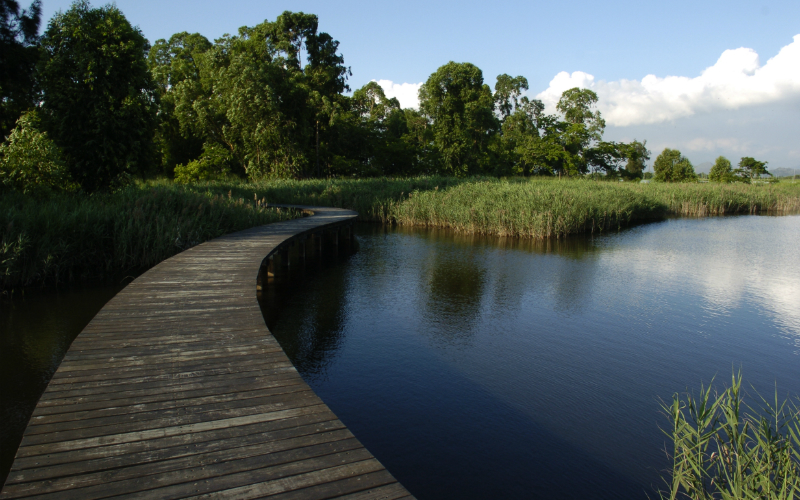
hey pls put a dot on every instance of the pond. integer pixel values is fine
(497, 368)
(478, 367)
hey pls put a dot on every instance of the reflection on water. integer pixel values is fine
(36, 329)
(498, 368)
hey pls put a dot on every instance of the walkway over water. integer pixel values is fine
(177, 389)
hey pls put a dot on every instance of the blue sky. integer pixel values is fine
(611, 42)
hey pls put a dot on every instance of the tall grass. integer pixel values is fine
(537, 208)
(71, 238)
(67, 237)
(724, 448)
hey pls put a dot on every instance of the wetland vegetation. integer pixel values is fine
(176, 142)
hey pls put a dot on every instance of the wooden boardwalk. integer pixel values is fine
(177, 389)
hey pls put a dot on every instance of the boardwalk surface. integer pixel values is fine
(177, 389)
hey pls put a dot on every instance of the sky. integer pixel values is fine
(709, 78)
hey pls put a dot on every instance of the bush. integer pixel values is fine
(213, 165)
(30, 162)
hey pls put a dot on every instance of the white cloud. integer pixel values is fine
(406, 93)
(736, 107)
(737, 80)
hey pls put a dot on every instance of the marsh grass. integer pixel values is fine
(68, 237)
(536, 208)
(73, 238)
(723, 448)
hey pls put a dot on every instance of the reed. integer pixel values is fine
(75, 238)
(535, 208)
(69, 238)
(724, 448)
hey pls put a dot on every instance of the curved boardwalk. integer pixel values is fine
(177, 389)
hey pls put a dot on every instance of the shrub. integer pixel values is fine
(30, 162)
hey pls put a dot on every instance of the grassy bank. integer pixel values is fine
(538, 208)
(69, 238)
(72, 238)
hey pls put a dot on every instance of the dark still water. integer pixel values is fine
(36, 329)
(495, 368)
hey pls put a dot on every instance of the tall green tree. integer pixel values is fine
(582, 126)
(672, 166)
(267, 95)
(18, 56)
(461, 109)
(519, 125)
(750, 168)
(176, 68)
(721, 171)
(99, 102)
(637, 155)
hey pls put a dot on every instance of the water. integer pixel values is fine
(496, 368)
(499, 368)
(36, 329)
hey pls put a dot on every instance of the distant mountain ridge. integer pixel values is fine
(783, 171)
(705, 168)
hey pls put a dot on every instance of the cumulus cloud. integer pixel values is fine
(737, 80)
(406, 93)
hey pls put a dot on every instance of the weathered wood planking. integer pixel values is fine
(177, 389)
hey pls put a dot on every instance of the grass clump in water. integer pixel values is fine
(726, 449)
(68, 237)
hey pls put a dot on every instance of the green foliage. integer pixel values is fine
(461, 109)
(636, 154)
(18, 55)
(213, 164)
(750, 168)
(671, 166)
(724, 448)
(175, 66)
(30, 162)
(99, 98)
(253, 94)
(721, 171)
(69, 237)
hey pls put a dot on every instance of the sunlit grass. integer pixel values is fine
(537, 208)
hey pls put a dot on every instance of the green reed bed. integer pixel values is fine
(724, 199)
(538, 207)
(71, 238)
(68, 237)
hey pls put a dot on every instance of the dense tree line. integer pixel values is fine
(100, 105)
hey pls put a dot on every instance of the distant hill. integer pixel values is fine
(703, 168)
(783, 172)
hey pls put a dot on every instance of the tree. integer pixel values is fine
(582, 126)
(176, 69)
(461, 109)
(507, 92)
(750, 168)
(721, 171)
(637, 154)
(18, 56)
(268, 95)
(671, 166)
(606, 156)
(99, 102)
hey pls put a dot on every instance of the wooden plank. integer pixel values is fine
(176, 388)
(86, 460)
